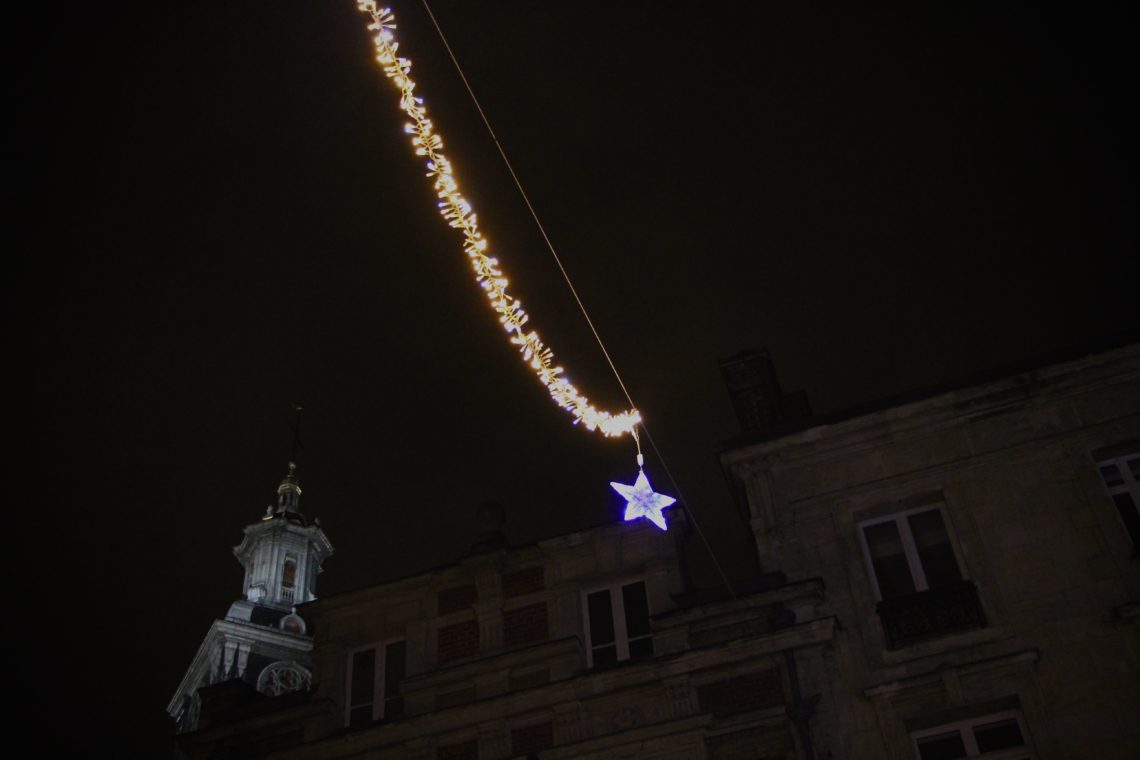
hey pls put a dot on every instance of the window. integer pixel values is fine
(909, 551)
(617, 625)
(1121, 476)
(374, 676)
(916, 577)
(1001, 736)
(289, 574)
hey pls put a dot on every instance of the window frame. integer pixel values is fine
(965, 730)
(379, 679)
(1130, 485)
(910, 547)
(617, 610)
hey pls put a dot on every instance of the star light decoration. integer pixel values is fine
(457, 211)
(642, 501)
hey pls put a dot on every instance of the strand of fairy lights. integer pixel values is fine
(457, 211)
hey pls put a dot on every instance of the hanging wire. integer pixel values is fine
(526, 199)
(578, 300)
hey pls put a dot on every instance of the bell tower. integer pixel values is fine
(282, 553)
(261, 647)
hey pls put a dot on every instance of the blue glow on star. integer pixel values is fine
(642, 501)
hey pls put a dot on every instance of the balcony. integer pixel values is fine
(928, 614)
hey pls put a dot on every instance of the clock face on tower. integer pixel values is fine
(282, 678)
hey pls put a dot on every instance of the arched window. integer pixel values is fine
(289, 574)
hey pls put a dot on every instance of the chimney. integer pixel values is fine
(492, 517)
(754, 389)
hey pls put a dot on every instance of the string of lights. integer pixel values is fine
(457, 211)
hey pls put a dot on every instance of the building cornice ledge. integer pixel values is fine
(1056, 381)
(1025, 656)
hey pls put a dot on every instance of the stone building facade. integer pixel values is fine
(584, 645)
(951, 576)
(979, 550)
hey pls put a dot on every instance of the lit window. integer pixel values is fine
(997, 737)
(289, 574)
(617, 624)
(1121, 476)
(909, 551)
(374, 676)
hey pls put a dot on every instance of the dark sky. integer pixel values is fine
(224, 219)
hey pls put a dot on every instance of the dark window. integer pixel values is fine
(635, 605)
(943, 747)
(935, 551)
(888, 559)
(911, 551)
(1129, 515)
(1111, 476)
(394, 659)
(917, 577)
(1121, 476)
(1003, 734)
(993, 735)
(374, 685)
(618, 624)
(602, 643)
(362, 689)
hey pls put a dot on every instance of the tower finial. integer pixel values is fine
(289, 493)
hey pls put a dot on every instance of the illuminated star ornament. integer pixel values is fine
(458, 213)
(642, 501)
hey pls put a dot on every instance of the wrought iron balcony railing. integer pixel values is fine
(927, 614)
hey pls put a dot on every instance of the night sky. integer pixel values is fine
(224, 219)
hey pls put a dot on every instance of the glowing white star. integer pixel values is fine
(641, 501)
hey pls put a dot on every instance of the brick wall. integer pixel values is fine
(457, 598)
(532, 738)
(523, 582)
(753, 691)
(525, 625)
(458, 640)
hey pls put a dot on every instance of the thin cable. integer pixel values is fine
(581, 306)
(526, 199)
(689, 511)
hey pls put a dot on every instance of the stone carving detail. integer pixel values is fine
(282, 678)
